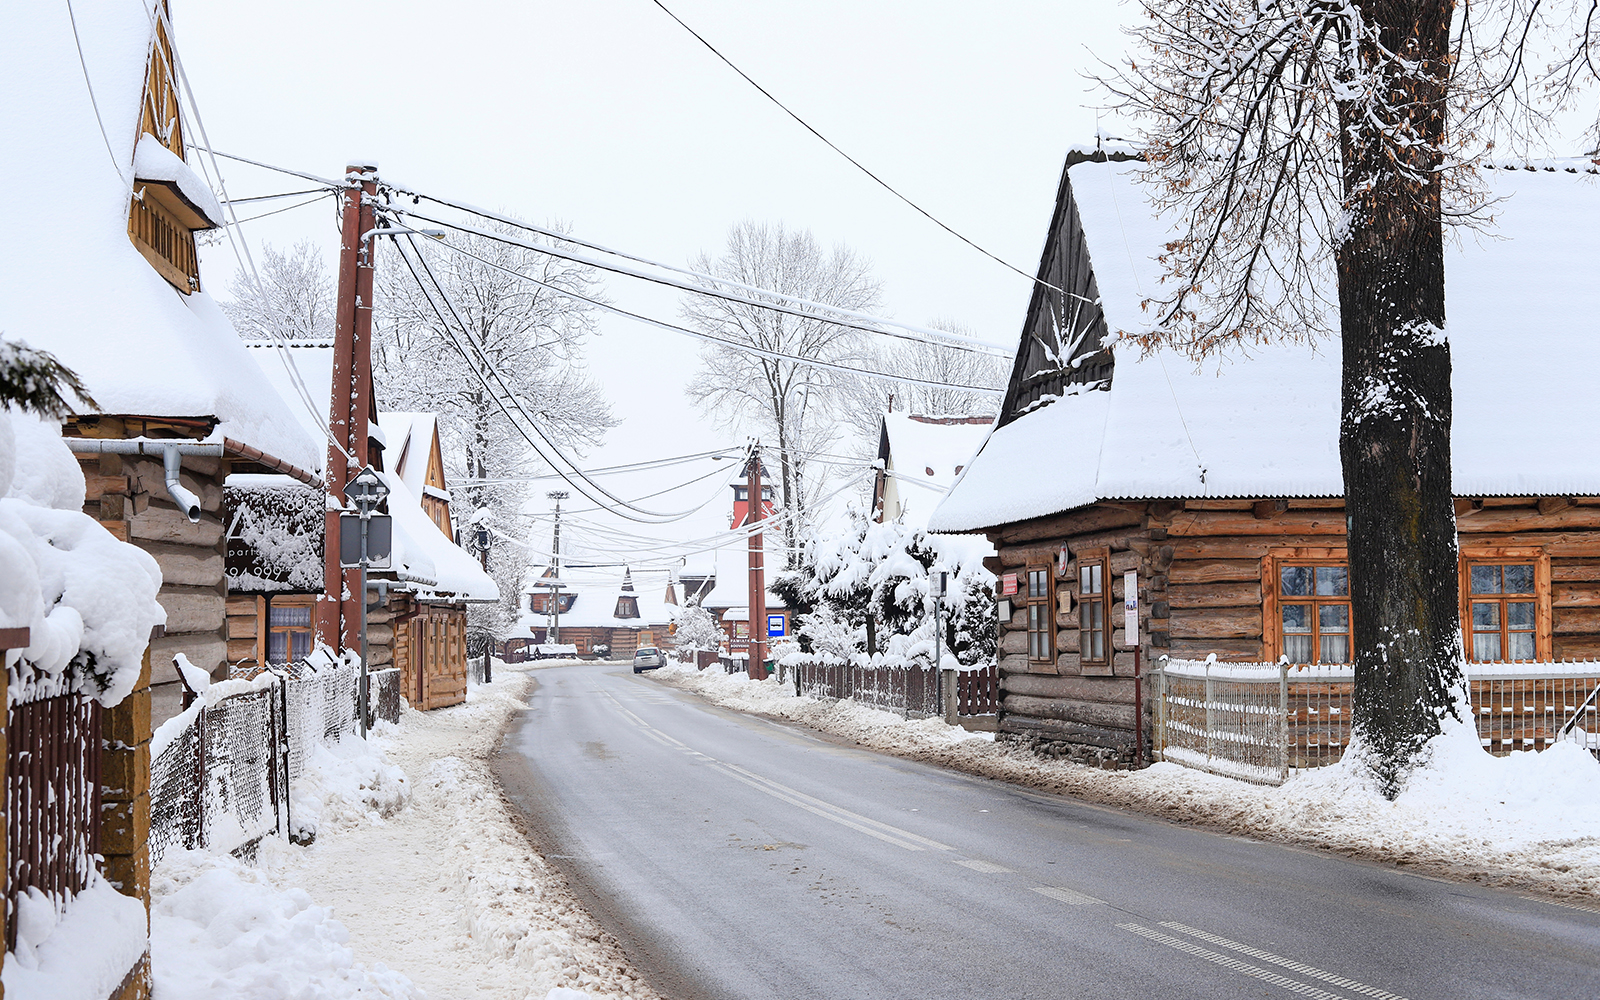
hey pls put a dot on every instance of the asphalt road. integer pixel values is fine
(740, 858)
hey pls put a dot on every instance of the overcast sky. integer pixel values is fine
(609, 117)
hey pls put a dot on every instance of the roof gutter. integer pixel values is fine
(272, 462)
(171, 453)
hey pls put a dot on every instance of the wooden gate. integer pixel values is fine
(431, 652)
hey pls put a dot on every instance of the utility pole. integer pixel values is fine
(350, 408)
(758, 582)
(555, 567)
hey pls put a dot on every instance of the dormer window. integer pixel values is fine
(627, 607)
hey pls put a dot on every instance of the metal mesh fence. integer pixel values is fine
(222, 776)
(1257, 721)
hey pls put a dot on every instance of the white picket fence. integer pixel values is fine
(1260, 721)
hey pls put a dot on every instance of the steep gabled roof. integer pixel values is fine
(1523, 316)
(71, 280)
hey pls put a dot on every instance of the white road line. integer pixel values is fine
(987, 867)
(810, 803)
(1292, 985)
(1292, 966)
(896, 831)
(1570, 906)
(1066, 895)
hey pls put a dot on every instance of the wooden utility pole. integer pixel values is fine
(351, 406)
(755, 511)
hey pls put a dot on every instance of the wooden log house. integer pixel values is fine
(1219, 484)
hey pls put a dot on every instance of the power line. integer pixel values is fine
(853, 161)
(941, 338)
(605, 306)
(289, 208)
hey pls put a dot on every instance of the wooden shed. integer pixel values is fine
(1219, 485)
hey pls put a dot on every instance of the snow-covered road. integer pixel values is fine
(743, 858)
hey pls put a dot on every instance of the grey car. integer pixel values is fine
(647, 658)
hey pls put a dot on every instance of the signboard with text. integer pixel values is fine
(774, 625)
(1008, 584)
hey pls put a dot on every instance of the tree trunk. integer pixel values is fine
(1394, 439)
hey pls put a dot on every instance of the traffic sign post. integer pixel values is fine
(369, 537)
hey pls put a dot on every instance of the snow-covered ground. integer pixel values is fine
(417, 884)
(1528, 821)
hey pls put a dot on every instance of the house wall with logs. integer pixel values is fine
(1207, 586)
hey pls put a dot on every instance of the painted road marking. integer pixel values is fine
(1066, 895)
(1292, 985)
(1570, 906)
(987, 867)
(810, 803)
(1292, 966)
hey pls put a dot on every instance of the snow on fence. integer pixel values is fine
(912, 689)
(221, 771)
(1258, 721)
(52, 790)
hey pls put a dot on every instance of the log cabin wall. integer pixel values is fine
(1208, 575)
(1070, 708)
(128, 495)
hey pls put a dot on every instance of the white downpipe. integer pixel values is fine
(171, 453)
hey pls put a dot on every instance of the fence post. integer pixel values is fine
(952, 704)
(1161, 711)
(1210, 713)
(1283, 719)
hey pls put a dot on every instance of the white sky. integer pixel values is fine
(606, 115)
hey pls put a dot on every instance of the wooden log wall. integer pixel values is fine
(128, 495)
(1202, 567)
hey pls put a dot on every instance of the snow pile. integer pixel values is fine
(417, 855)
(1528, 819)
(89, 599)
(346, 782)
(221, 928)
(52, 960)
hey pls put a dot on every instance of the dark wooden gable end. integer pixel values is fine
(1063, 335)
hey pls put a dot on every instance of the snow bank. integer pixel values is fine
(88, 599)
(346, 783)
(221, 928)
(53, 959)
(1529, 820)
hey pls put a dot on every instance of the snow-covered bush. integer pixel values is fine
(697, 629)
(88, 599)
(882, 572)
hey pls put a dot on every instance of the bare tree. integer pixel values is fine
(521, 353)
(793, 405)
(295, 297)
(1316, 144)
(949, 367)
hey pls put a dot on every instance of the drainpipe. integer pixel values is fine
(171, 452)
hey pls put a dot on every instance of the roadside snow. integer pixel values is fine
(417, 856)
(51, 960)
(1528, 820)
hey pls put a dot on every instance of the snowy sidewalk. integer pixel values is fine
(1528, 821)
(417, 885)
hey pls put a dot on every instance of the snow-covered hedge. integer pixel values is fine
(88, 599)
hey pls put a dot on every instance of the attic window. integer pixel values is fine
(627, 607)
(164, 241)
(929, 470)
(959, 468)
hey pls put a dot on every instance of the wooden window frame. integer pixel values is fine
(1483, 554)
(1271, 615)
(286, 601)
(1089, 558)
(1047, 605)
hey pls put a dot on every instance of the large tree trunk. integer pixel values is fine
(1394, 439)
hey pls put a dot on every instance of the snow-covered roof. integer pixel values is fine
(595, 605)
(437, 566)
(925, 453)
(408, 444)
(71, 281)
(312, 361)
(1523, 318)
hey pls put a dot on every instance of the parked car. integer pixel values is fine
(647, 658)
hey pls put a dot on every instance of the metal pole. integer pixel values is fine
(555, 564)
(361, 689)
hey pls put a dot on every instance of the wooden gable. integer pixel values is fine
(161, 222)
(437, 508)
(1063, 334)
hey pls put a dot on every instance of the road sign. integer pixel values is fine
(366, 490)
(380, 541)
(774, 625)
(1130, 608)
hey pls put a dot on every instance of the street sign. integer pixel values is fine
(1008, 584)
(380, 541)
(366, 490)
(1130, 608)
(774, 625)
